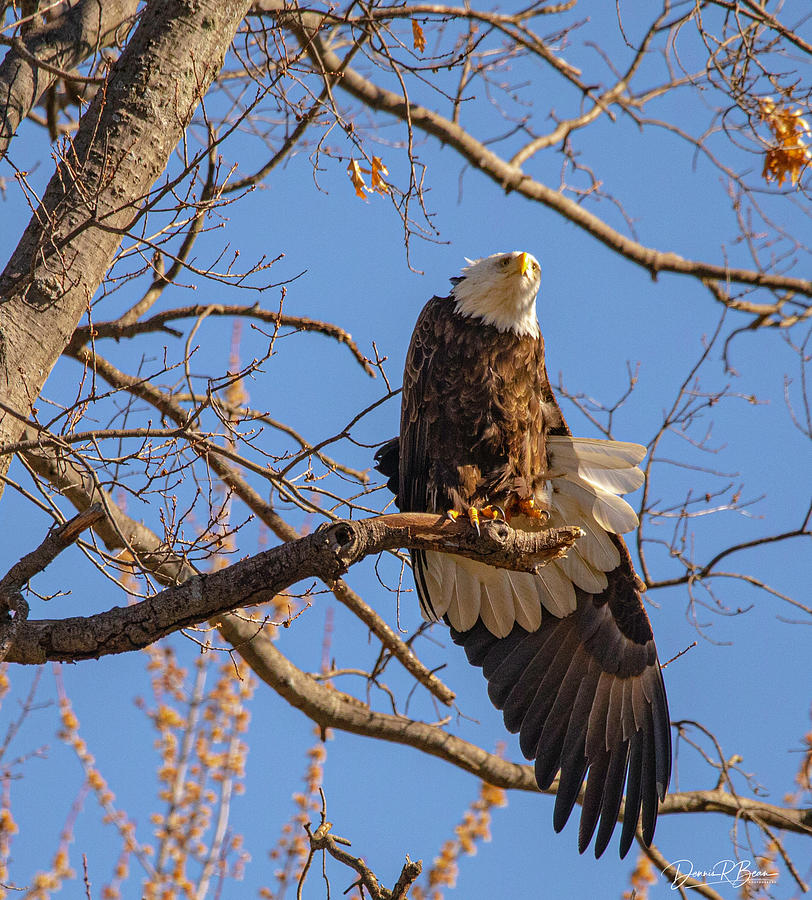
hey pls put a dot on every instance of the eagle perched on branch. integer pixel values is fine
(568, 651)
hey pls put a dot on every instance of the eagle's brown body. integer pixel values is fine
(473, 423)
(569, 654)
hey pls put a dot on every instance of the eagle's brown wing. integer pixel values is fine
(419, 412)
(471, 399)
(411, 462)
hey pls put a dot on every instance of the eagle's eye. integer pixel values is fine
(504, 263)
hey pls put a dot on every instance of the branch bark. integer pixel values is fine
(123, 144)
(55, 542)
(119, 531)
(11, 598)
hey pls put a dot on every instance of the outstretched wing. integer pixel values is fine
(585, 694)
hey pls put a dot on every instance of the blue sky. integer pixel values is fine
(747, 680)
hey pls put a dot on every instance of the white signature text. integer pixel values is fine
(726, 871)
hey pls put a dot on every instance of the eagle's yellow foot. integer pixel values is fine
(527, 507)
(484, 512)
(474, 514)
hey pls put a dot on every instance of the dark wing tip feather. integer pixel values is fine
(649, 800)
(586, 695)
(596, 785)
(631, 811)
(613, 782)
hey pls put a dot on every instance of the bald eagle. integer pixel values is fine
(568, 653)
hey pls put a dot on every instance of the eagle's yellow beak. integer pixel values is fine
(524, 262)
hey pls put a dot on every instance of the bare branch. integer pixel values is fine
(120, 531)
(326, 554)
(158, 322)
(58, 540)
(97, 191)
(512, 178)
(35, 61)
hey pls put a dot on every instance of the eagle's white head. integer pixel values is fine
(501, 291)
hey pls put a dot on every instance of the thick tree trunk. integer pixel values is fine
(63, 43)
(123, 144)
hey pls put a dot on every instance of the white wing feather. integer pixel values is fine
(609, 511)
(616, 481)
(465, 590)
(580, 572)
(595, 544)
(558, 595)
(567, 452)
(525, 599)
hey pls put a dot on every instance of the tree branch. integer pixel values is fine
(306, 26)
(27, 71)
(322, 839)
(326, 554)
(119, 531)
(98, 188)
(55, 542)
(158, 322)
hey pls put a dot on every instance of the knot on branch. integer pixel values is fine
(343, 534)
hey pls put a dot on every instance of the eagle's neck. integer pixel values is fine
(493, 304)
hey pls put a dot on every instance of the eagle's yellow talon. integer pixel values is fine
(527, 507)
(475, 515)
